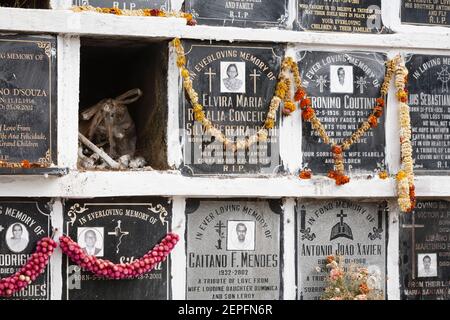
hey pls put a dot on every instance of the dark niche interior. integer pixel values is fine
(109, 68)
(28, 4)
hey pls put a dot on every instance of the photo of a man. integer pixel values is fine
(232, 77)
(427, 263)
(17, 237)
(341, 79)
(91, 241)
(241, 235)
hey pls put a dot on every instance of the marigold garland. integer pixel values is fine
(109, 270)
(281, 95)
(305, 174)
(24, 164)
(405, 178)
(309, 114)
(139, 12)
(33, 268)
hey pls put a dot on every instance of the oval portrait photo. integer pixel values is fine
(17, 237)
(91, 241)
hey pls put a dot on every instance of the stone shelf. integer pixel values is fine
(102, 25)
(172, 183)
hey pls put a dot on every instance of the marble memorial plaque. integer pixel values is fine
(121, 230)
(356, 231)
(432, 13)
(357, 16)
(429, 101)
(343, 87)
(233, 250)
(125, 4)
(239, 13)
(425, 252)
(22, 224)
(235, 84)
(28, 99)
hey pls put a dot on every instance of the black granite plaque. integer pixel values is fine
(233, 250)
(22, 224)
(235, 84)
(429, 101)
(124, 229)
(343, 87)
(239, 13)
(425, 252)
(356, 231)
(358, 16)
(125, 4)
(431, 12)
(28, 99)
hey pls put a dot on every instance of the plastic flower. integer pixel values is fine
(335, 274)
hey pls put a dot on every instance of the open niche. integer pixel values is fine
(123, 105)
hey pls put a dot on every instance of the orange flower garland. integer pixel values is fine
(305, 174)
(140, 12)
(24, 164)
(308, 114)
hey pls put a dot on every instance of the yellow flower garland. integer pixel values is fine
(405, 178)
(199, 115)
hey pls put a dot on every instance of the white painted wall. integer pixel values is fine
(70, 26)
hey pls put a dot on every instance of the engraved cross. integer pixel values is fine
(444, 77)
(413, 227)
(255, 77)
(210, 74)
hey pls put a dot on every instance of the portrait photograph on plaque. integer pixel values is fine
(235, 84)
(24, 222)
(224, 158)
(424, 258)
(233, 249)
(343, 87)
(121, 230)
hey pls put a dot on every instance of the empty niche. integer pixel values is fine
(28, 4)
(123, 105)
